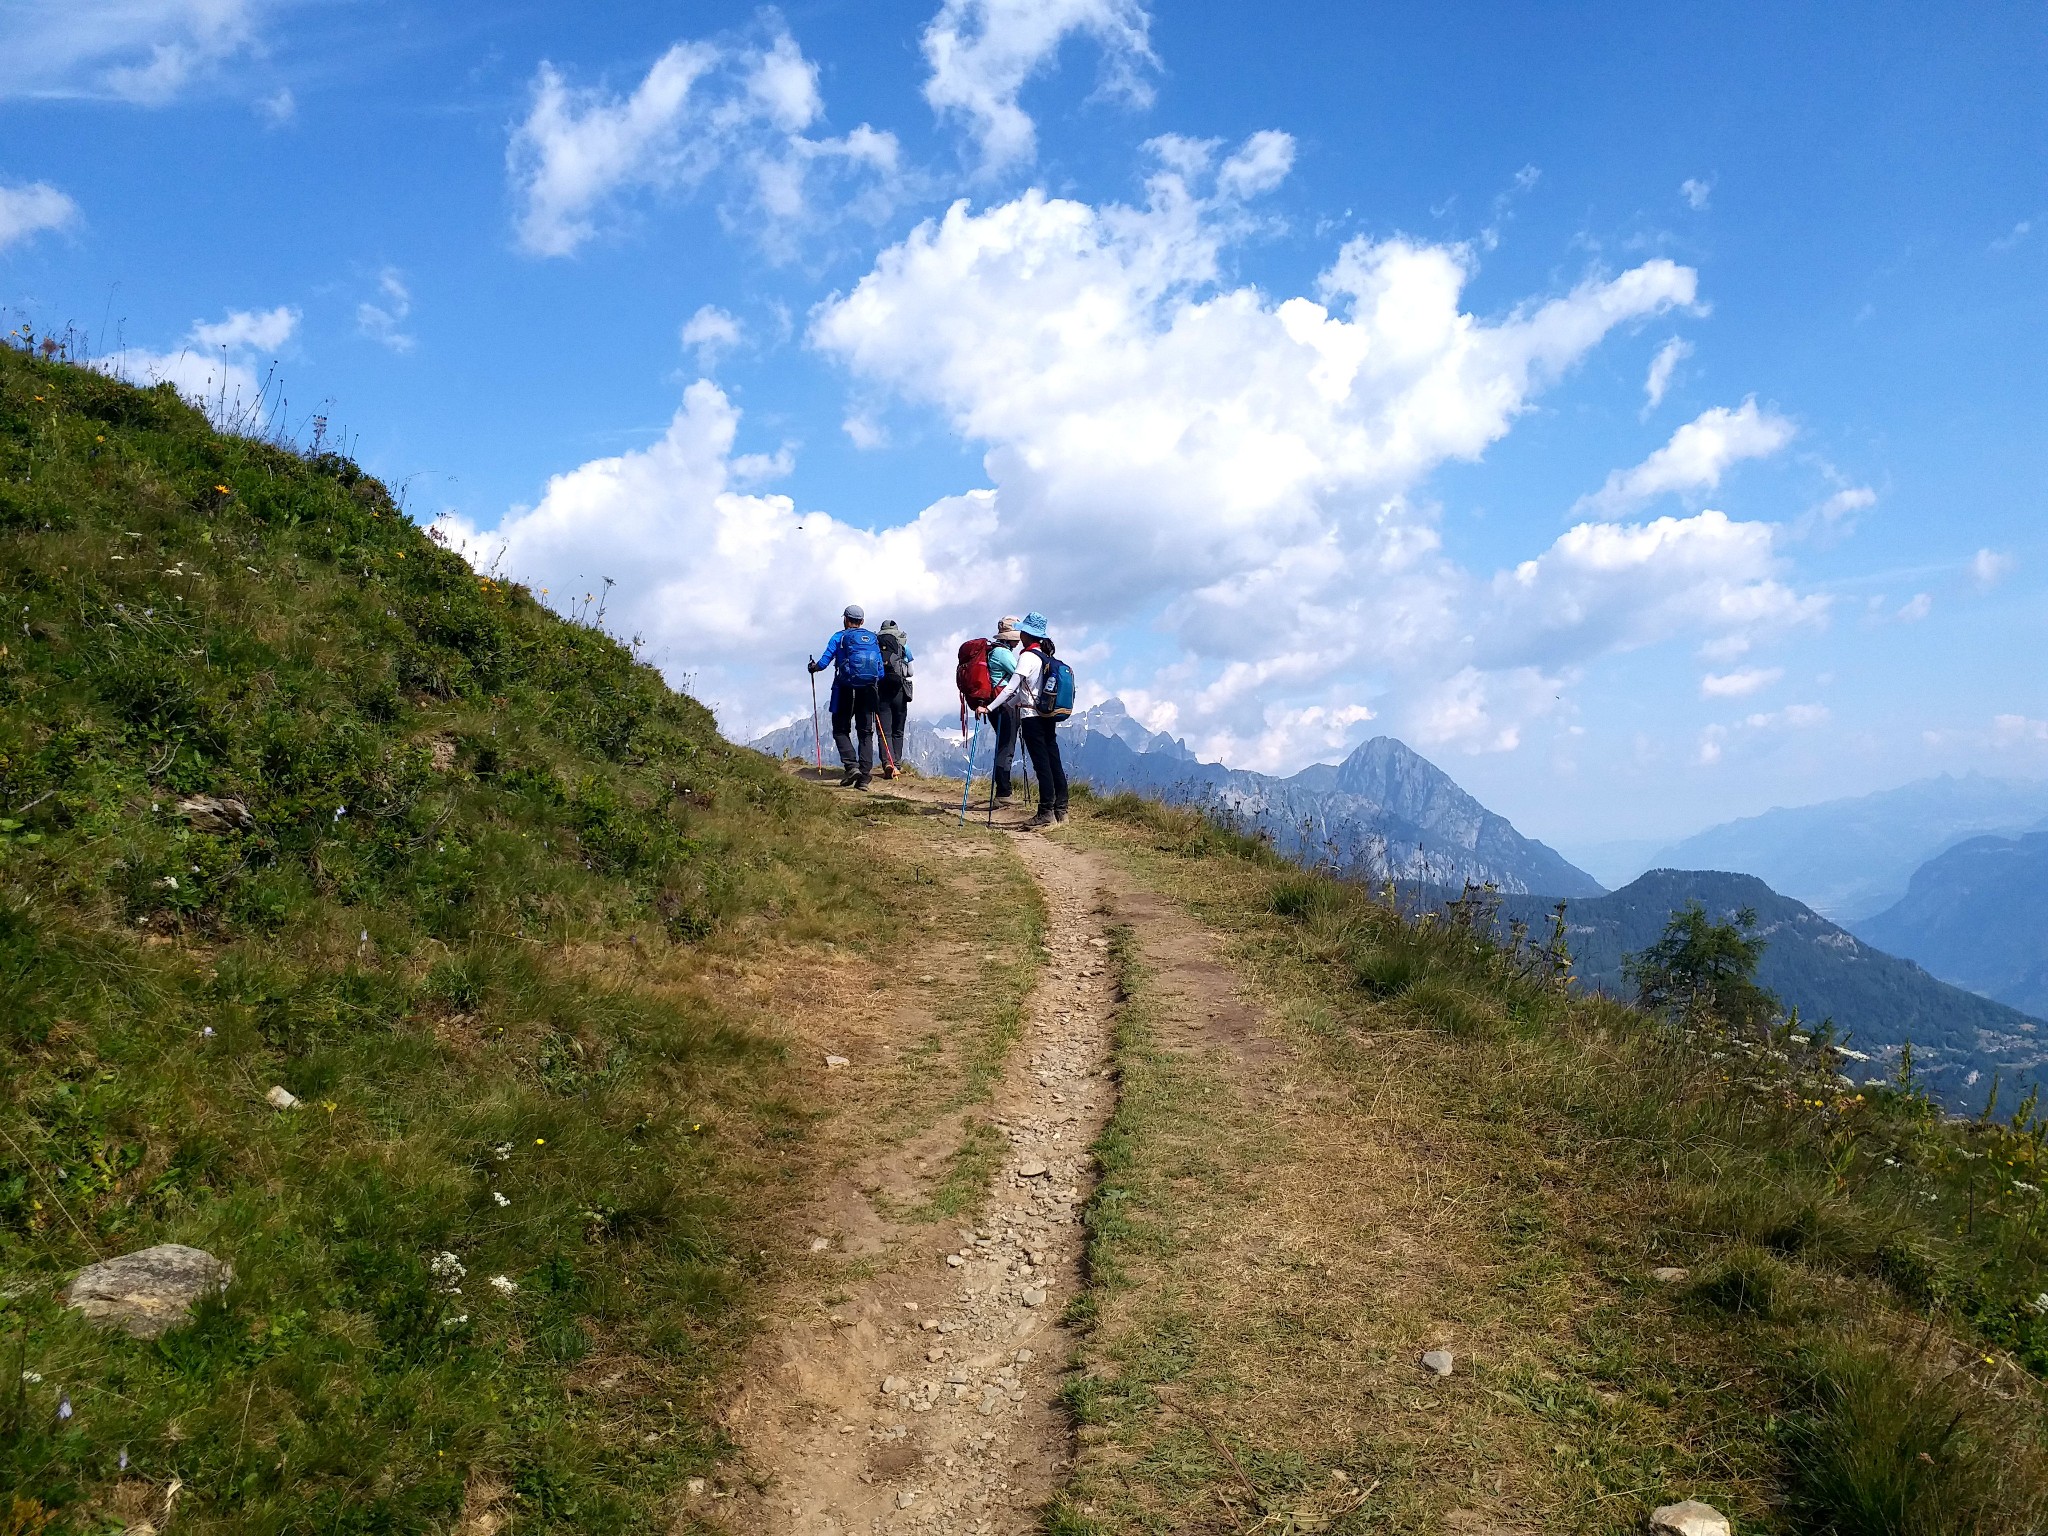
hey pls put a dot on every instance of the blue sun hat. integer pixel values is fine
(1034, 625)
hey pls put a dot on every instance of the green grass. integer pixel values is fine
(477, 928)
(1856, 1350)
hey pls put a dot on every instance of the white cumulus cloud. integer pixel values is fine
(702, 110)
(1211, 489)
(1988, 567)
(261, 331)
(981, 53)
(1699, 453)
(1738, 684)
(1697, 193)
(27, 211)
(711, 333)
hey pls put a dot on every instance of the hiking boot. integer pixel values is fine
(888, 773)
(849, 778)
(861, 782)
(1039, 822)
(1059, 816)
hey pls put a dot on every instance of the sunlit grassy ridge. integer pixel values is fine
(475, 928)
(1470, 1149)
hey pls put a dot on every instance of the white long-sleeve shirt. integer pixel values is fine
(1025, 680)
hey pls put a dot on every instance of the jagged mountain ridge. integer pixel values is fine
(1384, 810)
(1816, 966)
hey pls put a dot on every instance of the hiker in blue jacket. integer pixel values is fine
(855, 657)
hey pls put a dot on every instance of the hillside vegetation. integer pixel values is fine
(1673, 1255)
(504, 914)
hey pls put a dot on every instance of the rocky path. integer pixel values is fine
(927, 1399)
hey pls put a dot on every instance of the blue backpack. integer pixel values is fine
(1055, 699)
(858, 661)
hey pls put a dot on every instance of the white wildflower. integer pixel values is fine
(2032, 1189)
(32, 1377)
(2040, 1302)
(499, 1196)
(504, 1285)
(448, 1269)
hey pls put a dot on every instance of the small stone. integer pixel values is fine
(281, 1098)
(147, 1292)
(820, 1244)
(834, 1063)
(934, 1355)
(1690, 1518)
(905, 1499)
(954, 1261)
(1034, 1296)
(891, 1385)
(1668, 1274)
(694, 1486)
(218, 814)
(1437, 1362)
(1032, 1170)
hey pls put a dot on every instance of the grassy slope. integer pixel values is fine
(1452, 1151)
(508, 924)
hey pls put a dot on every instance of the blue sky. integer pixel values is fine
(1300, 361)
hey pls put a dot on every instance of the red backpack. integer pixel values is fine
(977, 688)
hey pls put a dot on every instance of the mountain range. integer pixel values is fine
(1977, 915)
(1852, 858)
(1823, 970)
(1384, 811)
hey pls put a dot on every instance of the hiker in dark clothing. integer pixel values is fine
(894, 691)
(1036, 674)
(855, 657)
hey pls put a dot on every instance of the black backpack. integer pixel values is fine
(895, 663)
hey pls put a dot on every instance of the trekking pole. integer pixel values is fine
(882, 739)
(817, 737)
(967, 781)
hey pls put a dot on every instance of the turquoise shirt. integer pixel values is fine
(1002, 661)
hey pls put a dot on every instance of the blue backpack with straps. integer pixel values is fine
(858, 661)
(1055, 699)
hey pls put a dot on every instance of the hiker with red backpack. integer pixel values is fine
(1043, 685)
(855, 656)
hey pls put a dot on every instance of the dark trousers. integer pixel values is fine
(855, 705)
(895, 714)
(1043, 744)
(1005, 722)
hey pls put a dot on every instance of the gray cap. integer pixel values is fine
(855, 614)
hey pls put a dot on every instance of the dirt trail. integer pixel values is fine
(927, 1400)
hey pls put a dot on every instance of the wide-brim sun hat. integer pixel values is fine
(1035, 626)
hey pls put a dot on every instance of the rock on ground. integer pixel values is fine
(1437, 1362)
(147, 1292)
(218, 814)
(1691, 1518)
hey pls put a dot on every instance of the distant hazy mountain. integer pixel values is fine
(1819, 968)
(1384, 809)
(1852, 858)
(1977, 915)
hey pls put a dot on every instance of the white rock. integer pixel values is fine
(147, 1292)
(1033, 1296)
(954, 1261)
(281, 1098)
(891, 1385)
(820, 1244)
(694, 1486)
(1691, 1518)
(834, 1063)
(1032, 1170)
(1668, 1274)
(905, 1499)
(1437, 1362)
